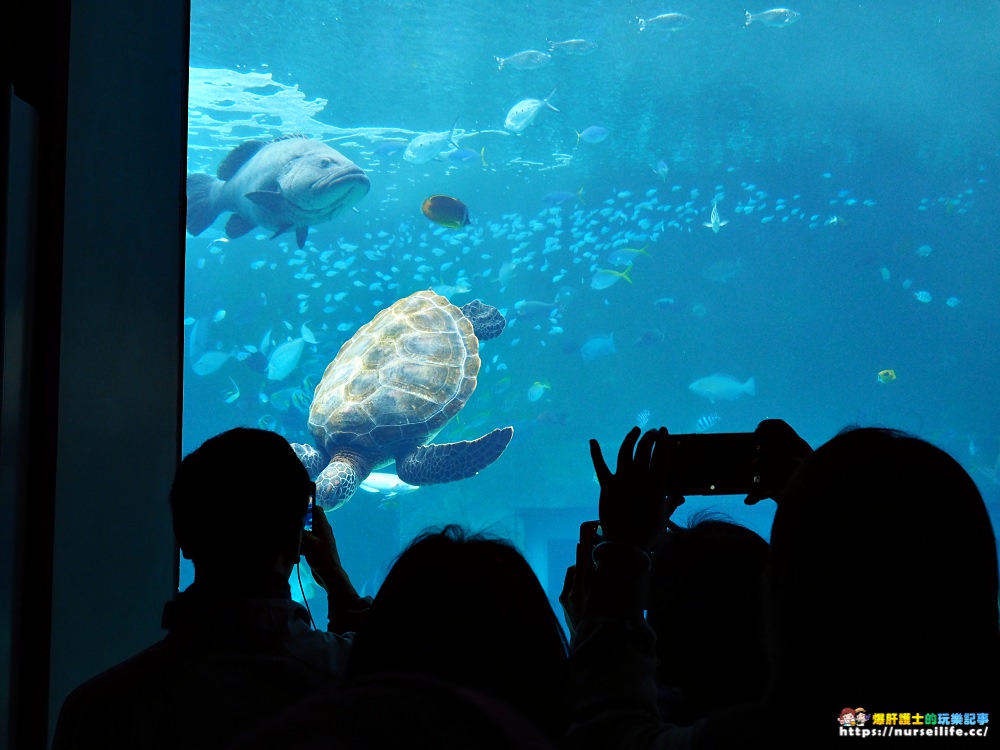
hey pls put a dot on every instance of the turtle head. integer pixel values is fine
(335, 485)
(311, 458)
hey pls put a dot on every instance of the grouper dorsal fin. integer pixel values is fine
(238, 157)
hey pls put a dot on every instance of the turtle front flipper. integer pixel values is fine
(448, 462)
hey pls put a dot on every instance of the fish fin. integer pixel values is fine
(499, 62)
(237, 226)
(625, 274)
(238, 157)
(269, 199)
(750, 387)
(748, 17)
(300, 236)
(201, 210)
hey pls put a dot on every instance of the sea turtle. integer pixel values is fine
(391, 389)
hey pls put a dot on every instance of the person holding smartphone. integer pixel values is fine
(613, 651)
(238, 649)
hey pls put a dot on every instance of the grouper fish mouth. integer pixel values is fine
(336, 192)
(288, 184)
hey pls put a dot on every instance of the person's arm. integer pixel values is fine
(613, 652)
(346, 609)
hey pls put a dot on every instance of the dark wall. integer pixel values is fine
(100, 432)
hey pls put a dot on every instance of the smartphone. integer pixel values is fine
(713, 464)
(308, 517)
(591, 535)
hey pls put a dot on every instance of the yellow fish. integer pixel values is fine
(886, 376)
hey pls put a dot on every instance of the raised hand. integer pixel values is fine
(634, 508)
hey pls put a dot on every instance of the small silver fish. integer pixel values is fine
(427, 146)
(573, 46)
(529, 59)
(522, 114)
(605, 277)
(665, 21)
(714, 223)
(776, 18)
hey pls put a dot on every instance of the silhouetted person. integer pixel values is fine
(238, 648)
(920, 635)
(468, 610)
(706, 607)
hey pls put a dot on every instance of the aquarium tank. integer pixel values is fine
(696, 215)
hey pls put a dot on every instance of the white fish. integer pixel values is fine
(209, 362)
(529, 59)
(776, 18)
(725, 387)
(714, 223)
(599, 345)
(284, 359)
(605, 277)
(573, 46)
(522, 114)
(923, 296)
(537, 389)
(666, 21)
(386, 484)
(427, 146)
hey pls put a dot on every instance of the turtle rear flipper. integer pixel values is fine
(448, 462)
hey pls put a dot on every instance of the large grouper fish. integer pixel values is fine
(290, 183)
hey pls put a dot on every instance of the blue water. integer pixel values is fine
(835, 149)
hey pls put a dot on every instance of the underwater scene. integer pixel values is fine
(690, 214)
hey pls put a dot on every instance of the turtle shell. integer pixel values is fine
(398, 380)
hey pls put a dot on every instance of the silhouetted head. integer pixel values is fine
(468, 609)
(705, 604)
(239, 501)
(883, 574)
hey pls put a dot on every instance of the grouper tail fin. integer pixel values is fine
(201, 209)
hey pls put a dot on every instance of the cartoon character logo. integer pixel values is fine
(847, 717)
(860, 716)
